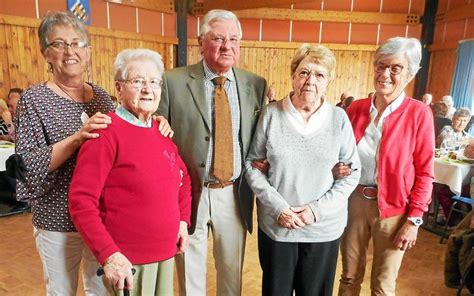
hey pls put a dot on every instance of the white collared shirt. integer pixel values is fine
(130, 118)
(368, 146)
(296, 119)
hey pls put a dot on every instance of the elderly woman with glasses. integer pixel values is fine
(454, 134)
(136, 209)
(53, 119)
(395, 141)
(302, 210)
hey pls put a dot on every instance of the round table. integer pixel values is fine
(453, 173)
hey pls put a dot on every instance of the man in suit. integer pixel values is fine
(221, 205)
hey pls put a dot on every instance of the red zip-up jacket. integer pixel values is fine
(406, 152)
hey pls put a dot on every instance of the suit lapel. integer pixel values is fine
(247, 107)
(196, 87)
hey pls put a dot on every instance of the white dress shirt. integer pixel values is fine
(368, 146)
(315, 121)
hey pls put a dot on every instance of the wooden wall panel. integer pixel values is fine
(22, 64)
(442, 65)
(354, 72)
(20, 58)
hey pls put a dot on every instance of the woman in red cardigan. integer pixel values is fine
(130, 196)
(395, 141)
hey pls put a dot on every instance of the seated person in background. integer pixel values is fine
(13, 97)
(341, 100)
(12, 100)
(455, 132)
(7, 133)
(136, 210)
(469, 150)
(5, 120)
(444, 194)
(448, 100)
(440, 110)
(427, 99)
(347, 102)
(271, 94)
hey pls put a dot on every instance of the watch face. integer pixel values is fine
(416, 221)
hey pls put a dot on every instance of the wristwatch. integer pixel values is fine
(417, 221)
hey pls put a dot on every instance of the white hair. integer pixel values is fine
(448, 100)
(217, 15)
(408, 47)
(129, 54)
(427, 98)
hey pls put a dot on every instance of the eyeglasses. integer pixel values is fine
(139, 83)
(305, 74)
(394, 69)
(222, 40)
(62, 46)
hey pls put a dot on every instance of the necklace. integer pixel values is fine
(71, 97)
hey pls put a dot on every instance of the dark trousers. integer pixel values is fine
(306, 268)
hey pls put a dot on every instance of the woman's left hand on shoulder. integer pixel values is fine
(163, 126)
(96, 122)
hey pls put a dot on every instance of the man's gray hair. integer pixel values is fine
(129, 54)
(408, 47)
(217, 15)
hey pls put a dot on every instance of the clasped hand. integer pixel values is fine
(296, 217)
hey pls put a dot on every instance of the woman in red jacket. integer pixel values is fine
(395, 141)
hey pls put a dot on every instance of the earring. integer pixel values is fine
(50, 67)
(88, 73)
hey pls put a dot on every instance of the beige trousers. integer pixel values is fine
(61, 254)
(153, 279)
(219, 215)
(362, 225)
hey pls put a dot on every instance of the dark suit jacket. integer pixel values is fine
(183, 103)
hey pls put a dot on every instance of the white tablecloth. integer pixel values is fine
(453, 174)
(4, 154)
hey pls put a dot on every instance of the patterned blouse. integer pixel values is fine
(448, 133)
(3, 128)
(43, 119)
